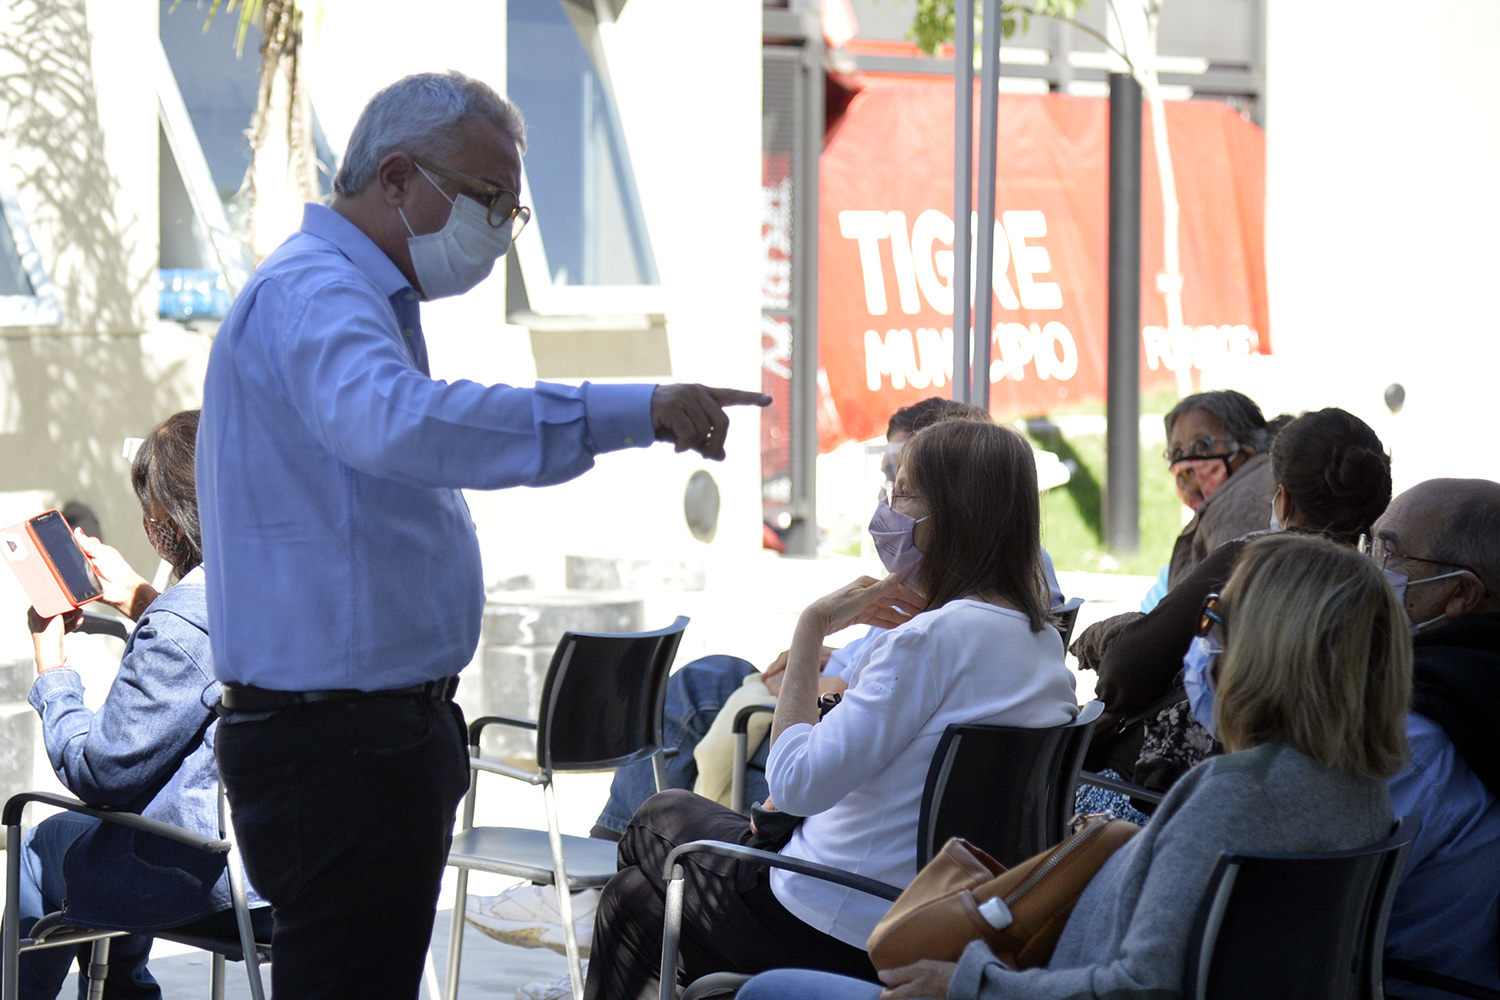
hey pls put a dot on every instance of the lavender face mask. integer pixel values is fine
(891, 531)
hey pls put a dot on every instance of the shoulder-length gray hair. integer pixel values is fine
(419, 114)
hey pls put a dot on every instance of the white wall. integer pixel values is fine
(1382, 204)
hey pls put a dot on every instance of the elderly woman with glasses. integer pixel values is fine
(1330, 475)
(1305, 674)
(1218, 447)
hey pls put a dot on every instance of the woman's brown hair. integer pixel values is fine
(166, 484)
(978, 483)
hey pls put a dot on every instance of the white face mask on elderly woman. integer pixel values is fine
(461, 254)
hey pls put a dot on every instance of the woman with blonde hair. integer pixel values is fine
(1303, 667)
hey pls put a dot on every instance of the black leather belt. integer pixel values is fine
(245, 698)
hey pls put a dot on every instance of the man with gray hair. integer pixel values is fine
(342, 567)
(1439, 545)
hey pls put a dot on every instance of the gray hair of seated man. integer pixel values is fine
(1469, 536)
(420, 115)
(1241, 418)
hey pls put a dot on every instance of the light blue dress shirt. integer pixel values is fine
(340, 552)
(1447, 908)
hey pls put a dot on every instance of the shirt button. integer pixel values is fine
(409, 332)
(629, 442)
(411, 296)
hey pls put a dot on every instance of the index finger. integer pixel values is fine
(738, 397)
(898, 591)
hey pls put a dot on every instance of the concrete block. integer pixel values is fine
(16, 678)
(648, 576)
(19, 738)
(532, 618)
(512, 685)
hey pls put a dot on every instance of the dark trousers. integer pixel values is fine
(731, 921)
(344, 812)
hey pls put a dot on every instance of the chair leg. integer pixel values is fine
(10, 982)
(216, 977)
(98, 969)
(456, 935)
(429, 977)
(564, 893)
(671, 933)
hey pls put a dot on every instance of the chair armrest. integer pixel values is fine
(100, 623)
(1409, 973)
(1123, 787)
(505, 770)
(17, 802)
(773, 860)
(742, 717)
(478, 725)
(676, 882)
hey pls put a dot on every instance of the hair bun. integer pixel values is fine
(1357, 470)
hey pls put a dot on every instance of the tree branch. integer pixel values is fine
(1033, 12)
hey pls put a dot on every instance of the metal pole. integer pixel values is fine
(984, 272)
(802, 539)
(1122, 532)
(963, 185)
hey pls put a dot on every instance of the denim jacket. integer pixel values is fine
(149, 749)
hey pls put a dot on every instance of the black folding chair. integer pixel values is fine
(1066, 616)
(55, 931)
(1296, 926)
(601, 707)
(1006, 789)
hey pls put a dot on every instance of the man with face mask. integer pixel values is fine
(345, 590)
(1439, 544)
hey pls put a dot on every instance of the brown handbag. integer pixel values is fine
(965, 895)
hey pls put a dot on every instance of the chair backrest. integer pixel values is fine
(1006, 789)
(602, 698)
(1296, 926)
(1066, 616)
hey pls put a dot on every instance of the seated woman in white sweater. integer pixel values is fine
(969, 642)
(1310, 697)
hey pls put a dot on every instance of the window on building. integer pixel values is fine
(589, 227)
(26, 297)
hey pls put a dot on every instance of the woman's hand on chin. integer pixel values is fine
(883, 603)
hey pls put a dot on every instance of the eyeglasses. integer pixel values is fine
(903, 496)
(502, 206)
(1382, 552)
(1212, 615)
(1200, 448)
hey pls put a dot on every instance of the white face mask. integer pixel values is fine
(461, 254)
(1400, 582)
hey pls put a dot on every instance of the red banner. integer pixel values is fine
(885, 303)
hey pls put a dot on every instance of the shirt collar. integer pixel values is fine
(352, 242)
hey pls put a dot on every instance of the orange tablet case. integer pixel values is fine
(39, 575)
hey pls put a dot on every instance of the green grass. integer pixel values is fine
(1072, 525)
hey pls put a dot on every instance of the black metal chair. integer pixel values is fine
(250, 944)
(601, 707)
(1027, 775)
(1296, 926)
(1006, 789)
(1066, 616)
